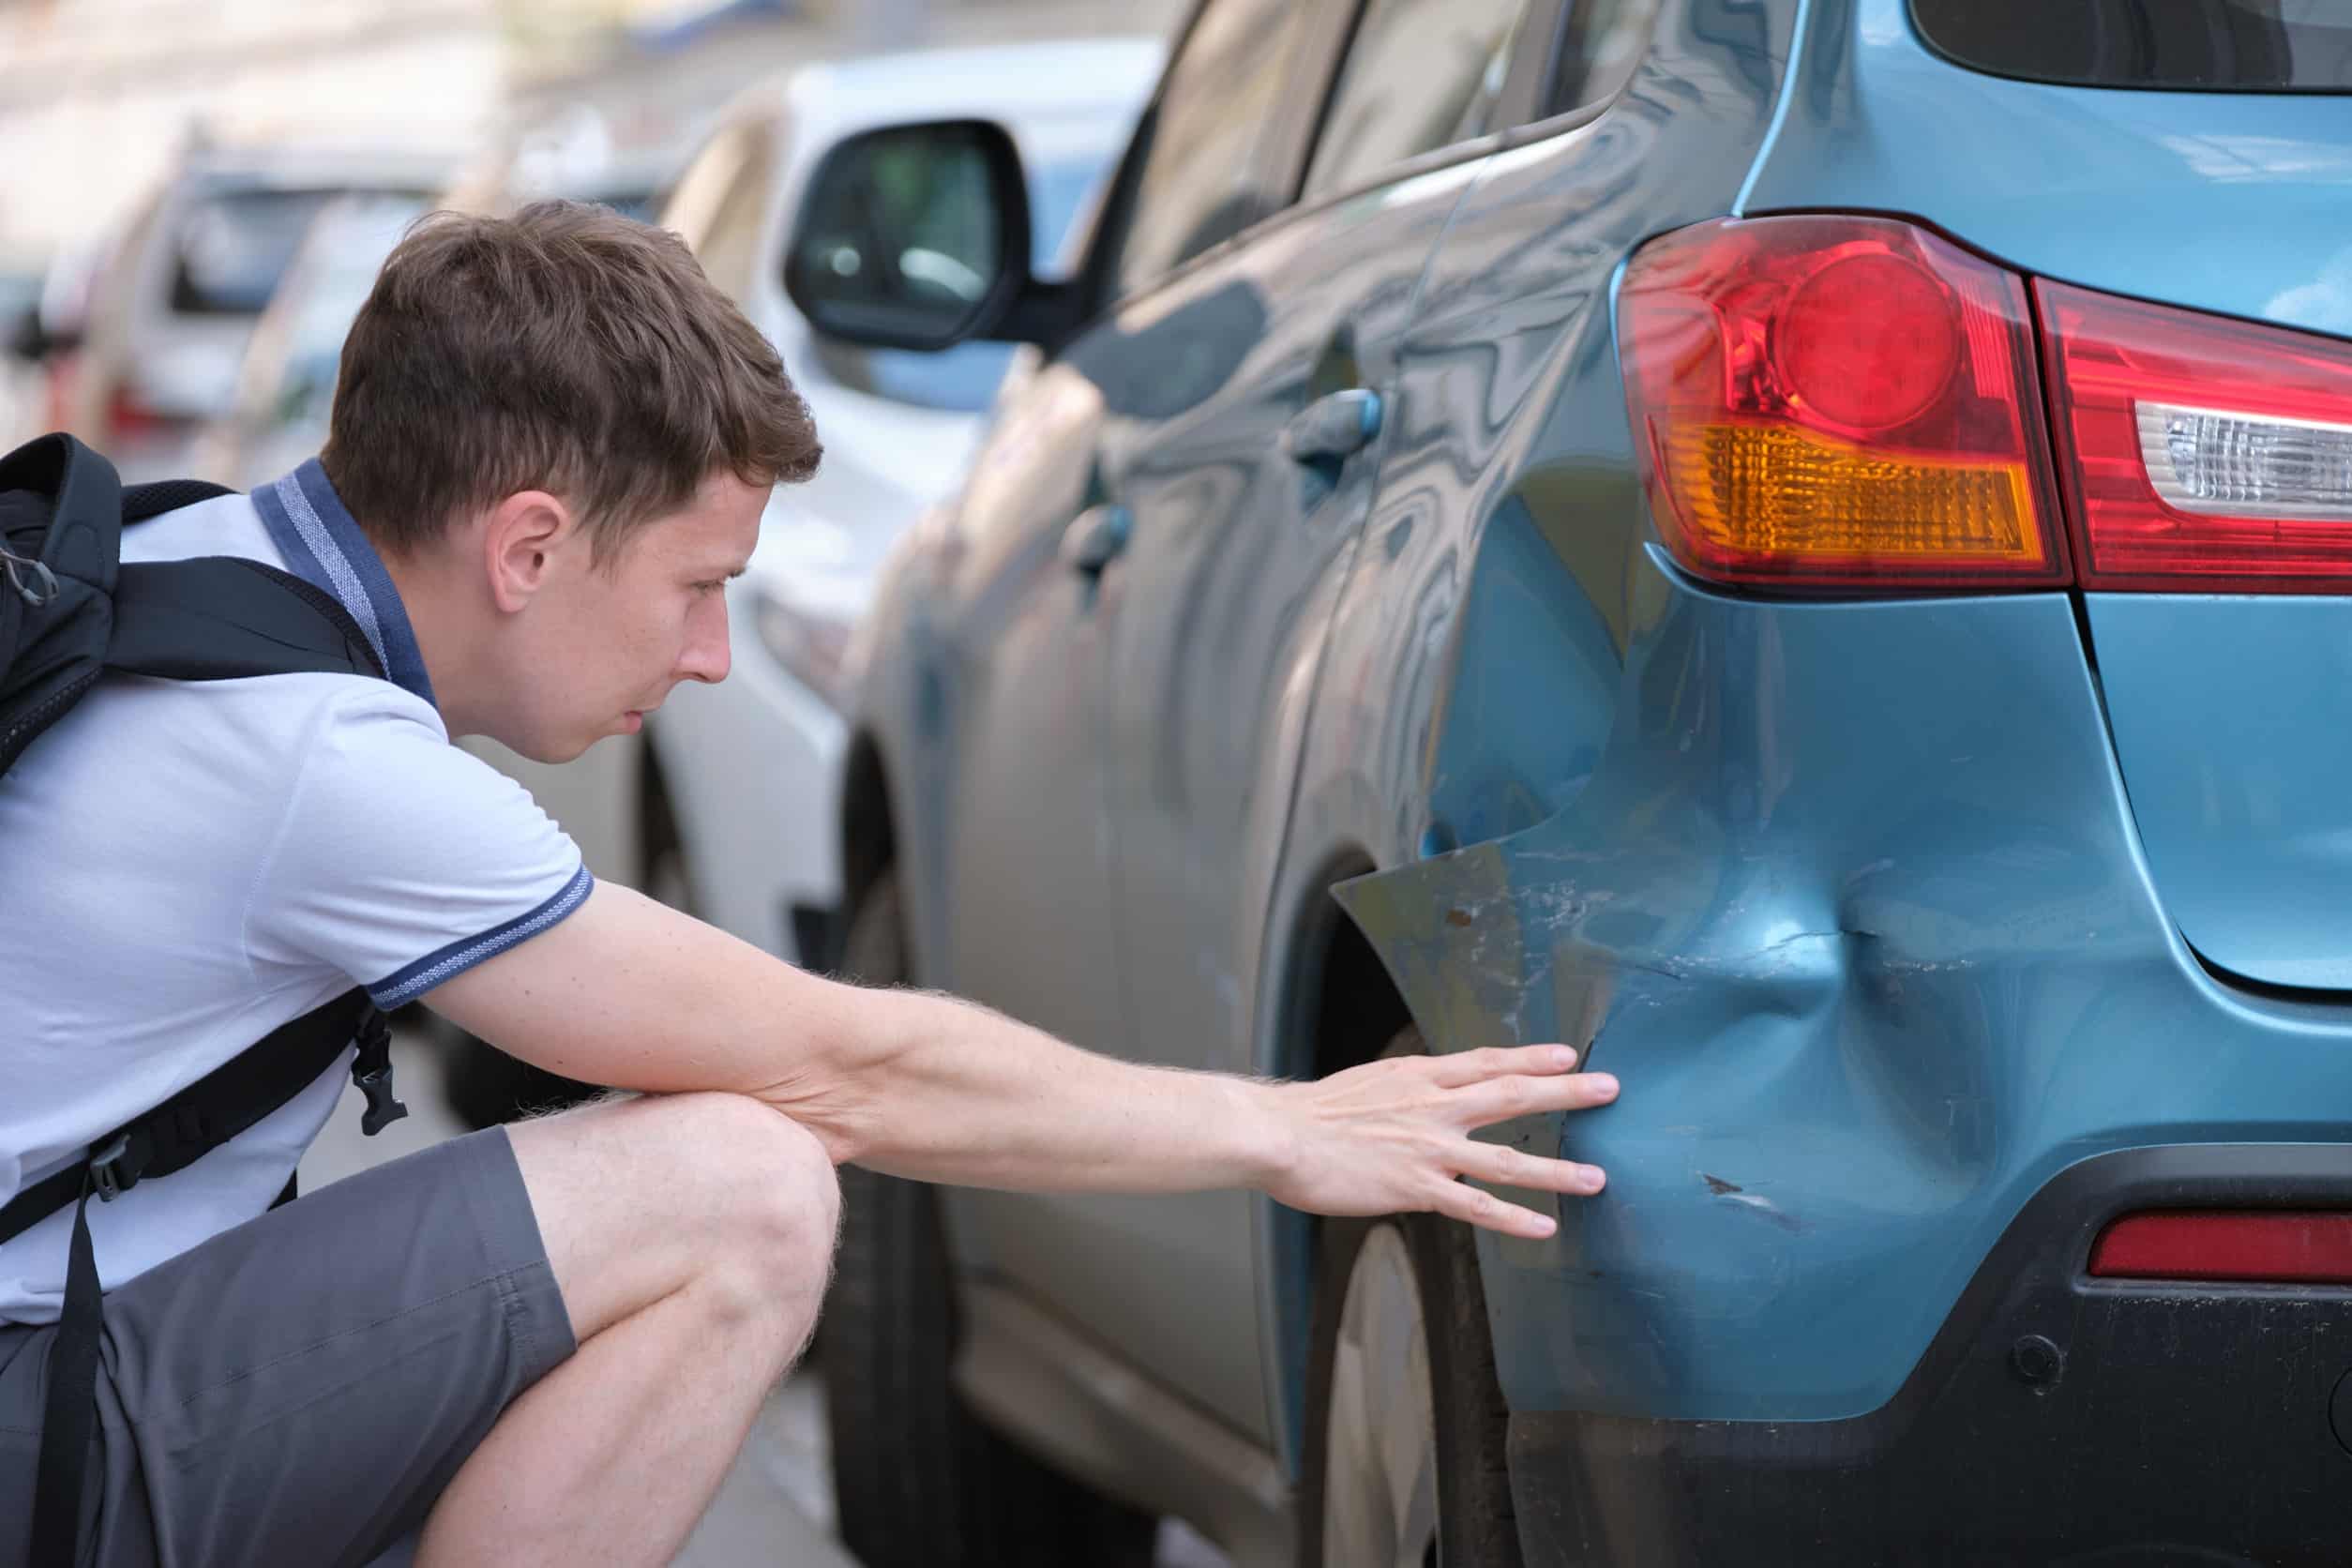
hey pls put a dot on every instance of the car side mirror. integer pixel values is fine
(916, 236)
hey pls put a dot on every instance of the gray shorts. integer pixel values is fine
(300, 1389)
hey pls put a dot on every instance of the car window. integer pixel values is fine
(1599, 48)
(1204, 174)
(2217, 45)
(231, 248)
(1420, 75)
(965, 377)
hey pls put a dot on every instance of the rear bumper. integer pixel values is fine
(2173, 1424)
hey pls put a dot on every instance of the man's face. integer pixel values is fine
(609, 643)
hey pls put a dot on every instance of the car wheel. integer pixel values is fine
(484, 1085)
(1405, 1458)
(918, 1481)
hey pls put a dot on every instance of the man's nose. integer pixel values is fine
(707, 657)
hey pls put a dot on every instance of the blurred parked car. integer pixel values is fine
(750, 766)
(277, 417)
(1800, 547)
(169, 312)
(42, 336)
(725, 803)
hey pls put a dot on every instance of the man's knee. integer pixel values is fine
(778, 1192)
(642, 1197)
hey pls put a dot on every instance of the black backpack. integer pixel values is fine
(70, 612)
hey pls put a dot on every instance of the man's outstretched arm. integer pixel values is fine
(629, 994)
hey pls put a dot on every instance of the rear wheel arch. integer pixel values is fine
(1339, 1009)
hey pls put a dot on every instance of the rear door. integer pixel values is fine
(1245, 471)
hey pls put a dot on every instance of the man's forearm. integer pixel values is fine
(632, 994)
(947, 1090)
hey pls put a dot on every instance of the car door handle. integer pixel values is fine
(1096, 538)
(1334, 426)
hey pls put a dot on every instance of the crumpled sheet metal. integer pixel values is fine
(1854, 910)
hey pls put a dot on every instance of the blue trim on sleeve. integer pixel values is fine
(409, 984)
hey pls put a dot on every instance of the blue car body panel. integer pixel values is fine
(1854, 894)
(2233, 722)
(1869, 987)
(2233, 717)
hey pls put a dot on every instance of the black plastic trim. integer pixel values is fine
(2055, 1418)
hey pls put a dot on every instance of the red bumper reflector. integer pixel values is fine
(2254, 1245)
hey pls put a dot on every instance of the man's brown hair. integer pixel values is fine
(566, 348)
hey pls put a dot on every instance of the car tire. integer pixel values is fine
(918, 1481)
(1402, 1294)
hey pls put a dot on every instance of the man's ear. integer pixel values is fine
(521, 538)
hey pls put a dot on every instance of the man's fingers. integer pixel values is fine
(1500, 1099)
(1490, 1212)
(1467, 1067)
(1512, 1168)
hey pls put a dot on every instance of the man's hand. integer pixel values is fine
(1391, 1136)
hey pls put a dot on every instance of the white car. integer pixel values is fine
(751, 767)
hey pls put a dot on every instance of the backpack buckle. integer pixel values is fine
(373, 1072)
(115, 1168)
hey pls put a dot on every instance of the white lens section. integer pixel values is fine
(2203, 459)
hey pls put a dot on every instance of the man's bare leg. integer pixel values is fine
(691, 1236)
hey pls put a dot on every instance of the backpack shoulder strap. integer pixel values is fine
(142, 502)
(221, 618)
(70, 610)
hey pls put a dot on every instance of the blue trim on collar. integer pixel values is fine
(324, 545)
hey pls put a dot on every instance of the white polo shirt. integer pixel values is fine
(192, 864)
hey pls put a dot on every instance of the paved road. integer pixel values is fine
(775, 1508)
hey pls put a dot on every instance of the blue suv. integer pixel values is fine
(1800, 544)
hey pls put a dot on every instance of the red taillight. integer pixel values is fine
(2197, 452)
(2254, 1245)
(1838, 401)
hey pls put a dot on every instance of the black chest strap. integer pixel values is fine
(224, 1102)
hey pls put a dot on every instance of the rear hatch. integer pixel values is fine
(2203, 439)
